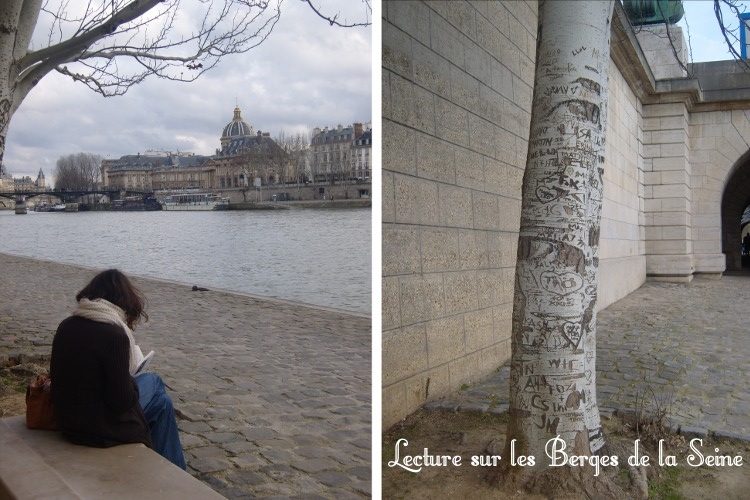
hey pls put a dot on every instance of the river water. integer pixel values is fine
(316, 256)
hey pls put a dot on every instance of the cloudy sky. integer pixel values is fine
(306, 74)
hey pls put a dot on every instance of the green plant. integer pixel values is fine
(665, 487)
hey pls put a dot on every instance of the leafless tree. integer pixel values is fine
(297, 148)
(78, 171)
(112, 45)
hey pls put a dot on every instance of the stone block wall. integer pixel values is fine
(457, 89)
(622, 262)
(667, 195)
(660, 53)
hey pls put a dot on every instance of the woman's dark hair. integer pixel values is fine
(113, 286)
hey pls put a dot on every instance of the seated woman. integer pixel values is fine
(98, 402)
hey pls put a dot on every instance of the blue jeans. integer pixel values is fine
(160, 417)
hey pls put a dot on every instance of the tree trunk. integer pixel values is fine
(17, 21)
(553, 375)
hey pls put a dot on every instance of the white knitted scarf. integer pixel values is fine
(104, 311)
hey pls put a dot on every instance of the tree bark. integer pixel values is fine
(553, 373)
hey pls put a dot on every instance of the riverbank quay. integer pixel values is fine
(273, 397)
(270, 205)
(677, 348)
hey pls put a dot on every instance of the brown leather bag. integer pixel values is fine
(39, 411)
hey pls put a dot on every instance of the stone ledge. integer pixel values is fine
(42, 464)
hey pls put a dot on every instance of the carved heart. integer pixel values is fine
(545, 194)
(561, 283)
(572, 333)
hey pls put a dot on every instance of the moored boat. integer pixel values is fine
(195, 201)
(136, 203)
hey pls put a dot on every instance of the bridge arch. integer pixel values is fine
(735, 199)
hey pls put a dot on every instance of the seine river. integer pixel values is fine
(316, 256)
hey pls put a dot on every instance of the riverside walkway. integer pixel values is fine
(273, 398)
(682, 348)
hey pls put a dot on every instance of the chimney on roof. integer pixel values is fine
(357, 131)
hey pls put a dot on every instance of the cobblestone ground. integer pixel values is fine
(273, 398)
(682, 348)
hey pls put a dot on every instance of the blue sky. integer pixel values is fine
(701, 29)
(306, 74)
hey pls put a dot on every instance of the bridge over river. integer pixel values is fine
(72, 195)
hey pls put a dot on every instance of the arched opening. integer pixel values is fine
(735, 201)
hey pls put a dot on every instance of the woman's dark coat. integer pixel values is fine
(94, 395)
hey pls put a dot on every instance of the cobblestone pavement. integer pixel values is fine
(684, 348)
(273, 397)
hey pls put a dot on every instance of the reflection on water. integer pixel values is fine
(315, 256)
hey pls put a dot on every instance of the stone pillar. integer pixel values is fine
(667, 193)
(660, 54)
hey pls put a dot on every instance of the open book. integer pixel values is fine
(142, 361)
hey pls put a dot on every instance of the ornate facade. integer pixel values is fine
(362, 156)
(25, 183)
(333, 152)
(245, 159)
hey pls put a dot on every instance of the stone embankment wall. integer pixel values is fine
(320, 192)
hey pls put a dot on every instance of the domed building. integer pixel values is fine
(247, 158)
(236, 128)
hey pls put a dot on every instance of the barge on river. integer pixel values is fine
(195, 201)
(136, 204)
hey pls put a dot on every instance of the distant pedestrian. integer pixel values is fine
(746, 244)
(99, 398)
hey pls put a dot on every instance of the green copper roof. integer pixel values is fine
(643, 12)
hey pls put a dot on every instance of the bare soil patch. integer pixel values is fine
(468, 434)
(13, 383)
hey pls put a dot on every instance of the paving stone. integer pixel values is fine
(245, 477)
(248, 461)
(191, 441)
(314, 465)
(332, 478)
(277, 456)
(223, 437)
(210, 464)
(744, 436)
(277, 471)
(691, 431)
(206, 452)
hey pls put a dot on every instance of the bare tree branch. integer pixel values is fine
(333, 20)
(731, 34)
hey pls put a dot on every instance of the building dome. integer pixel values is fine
(236, 128)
